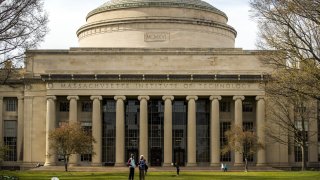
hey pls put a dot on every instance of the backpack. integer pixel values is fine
(142, 164)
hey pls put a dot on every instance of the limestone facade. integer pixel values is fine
(166, 88)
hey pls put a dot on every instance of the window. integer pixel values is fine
(86, 106)
(224, 126)
(225, 106)
(109, 131)
(64, 106)
(247, 106)
(87, 127)
(247, 126)
(11, 104)
(10, 140)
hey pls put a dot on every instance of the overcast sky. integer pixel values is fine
(66, 16)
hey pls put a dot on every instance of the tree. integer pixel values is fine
(3, 151)
(238, 138)
(291, 28)
(23, 25)
(71, 139)
(289, 120)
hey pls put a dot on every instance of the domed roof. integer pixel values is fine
(122, 4)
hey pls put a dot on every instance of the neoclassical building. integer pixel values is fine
(160, 78)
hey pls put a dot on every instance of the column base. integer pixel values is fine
(261, 164)
(167, 164)
(73, 164)
(215, 164)
(49, 164)
(96, 164)
(238, 164)
(119, 164)
(191, 164)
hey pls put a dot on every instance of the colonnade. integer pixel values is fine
(143, 145)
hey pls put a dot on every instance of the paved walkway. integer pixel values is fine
(151, 169)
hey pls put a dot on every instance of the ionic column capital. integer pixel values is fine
(52, 97)
(238, 97)
(119, 97)
(167, 97)
(1, 98)
(191, 97)
(96, 97)
(260, 98)
(143, 97)
(215, 97)
(20, 97)
(73, 97)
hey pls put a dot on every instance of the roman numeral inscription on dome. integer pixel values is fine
(156, 37)
(156, 86)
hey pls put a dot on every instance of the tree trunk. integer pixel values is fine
(304, 159)
(66, 163)
(245, 164)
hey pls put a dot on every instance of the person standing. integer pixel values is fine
(132, 164)
(178, 168)
(142, 167)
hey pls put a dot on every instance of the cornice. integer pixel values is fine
(114, 5)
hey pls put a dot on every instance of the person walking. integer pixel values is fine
(142, 167)
(132, 164)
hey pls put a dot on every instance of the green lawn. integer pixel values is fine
(33, 175)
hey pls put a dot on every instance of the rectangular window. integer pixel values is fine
(247, 106)
(87, 127)
(224, 126)
(247, 126)
(10, 140)
(11, 104)
(225, 106)
(64, 106)
(86, 106)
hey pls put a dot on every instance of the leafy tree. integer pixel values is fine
(293, 115)
(3, 150)
(291, 29)
(23, 25)
(71, 139)
(238, 138)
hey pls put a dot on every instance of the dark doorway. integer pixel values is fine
(156, 156)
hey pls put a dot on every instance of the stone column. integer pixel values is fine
(192, 131)
(97, 130)
(260, 118)
(143, 139)
(120, 130)
(167, 137)
(50, 125)
(215, 131)
(20, 128)
(238, 121)
(73, 110)
(73, 118)
(1, 119)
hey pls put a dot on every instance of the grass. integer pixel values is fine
(34, 175)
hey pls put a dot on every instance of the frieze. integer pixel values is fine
(153, 86)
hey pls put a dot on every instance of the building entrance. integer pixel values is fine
(156, 156)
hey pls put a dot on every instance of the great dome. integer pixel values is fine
(156, 23)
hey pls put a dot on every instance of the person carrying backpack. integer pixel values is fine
(132, 164)
(142, 167)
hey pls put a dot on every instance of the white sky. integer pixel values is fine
(66, 16)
